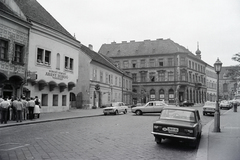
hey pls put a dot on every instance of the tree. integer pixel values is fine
(236, 57)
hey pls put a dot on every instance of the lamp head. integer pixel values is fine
(218, 66)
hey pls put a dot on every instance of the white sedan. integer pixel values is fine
(116, 108)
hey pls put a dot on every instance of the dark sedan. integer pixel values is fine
(186, 103)
(182, 124)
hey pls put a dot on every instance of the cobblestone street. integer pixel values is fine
(104, 137)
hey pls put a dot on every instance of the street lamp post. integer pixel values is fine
(218, 67)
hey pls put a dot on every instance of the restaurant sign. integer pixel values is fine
(57, 75)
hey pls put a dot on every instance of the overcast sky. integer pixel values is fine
(215, 24)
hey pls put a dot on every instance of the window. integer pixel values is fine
(192, 65)
(120, 82)
(125, 64)
(152, 76)
(3, 49)
(64, 100)
(44, 100)
(134, 77)
(55, 100)
(94, 74)
(116, 82)
(101, 76)
(68, 63)
(152, 63)
(43, 57)
(183, 76)
(143, 77)
(142, 63)
(161, 76)
(170, 76)
(160, 62)
(170, 62)
(225, 87)
(189, 65)
(58, 61)
(134, 64)
(182, 61)
(117, 64)
(18, 56)
(106, 78)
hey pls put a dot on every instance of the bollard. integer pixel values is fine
(235, 107)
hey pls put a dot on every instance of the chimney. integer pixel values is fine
(90, 46)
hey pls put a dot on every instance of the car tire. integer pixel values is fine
(116, 112)
(138, 112)
(158, 140)
(105, 114)
(125, 112)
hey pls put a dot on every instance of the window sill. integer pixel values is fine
(6, 60)
(43, 64)
(68, 70)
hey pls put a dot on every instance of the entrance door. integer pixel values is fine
(7, 94)
(181, 98)
(7, 91)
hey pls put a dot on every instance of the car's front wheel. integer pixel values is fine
(125, 111)
(138, 112)
(158, 140)
(116, 112)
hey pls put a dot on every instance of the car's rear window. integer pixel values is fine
(178, 115)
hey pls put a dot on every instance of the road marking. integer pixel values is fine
(9, 149)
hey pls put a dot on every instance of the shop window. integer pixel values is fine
(43, 57)
(18, 56)
(3, 49)
(152, 95)
(64, 100)
(44, 99)
(161, 94)
(68, 63)
(55, 100)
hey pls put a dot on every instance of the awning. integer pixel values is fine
(71, 85)
(41, 84)
(62, 86)
(52, 85)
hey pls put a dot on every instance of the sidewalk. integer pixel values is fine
(54, 116)
(224, 145)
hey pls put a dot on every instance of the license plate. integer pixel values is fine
(172, 129)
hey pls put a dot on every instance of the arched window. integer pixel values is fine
(152, 95)
(225, 87)
(58, 61)
(171, 96)
(161, 94)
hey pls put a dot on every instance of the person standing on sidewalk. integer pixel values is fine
(37, 106)
(24, 111)
(14, 108)
(1, 100)
(19, 110)
(31, 105)
(4, 107)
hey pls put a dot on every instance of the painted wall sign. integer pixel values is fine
(57, 75)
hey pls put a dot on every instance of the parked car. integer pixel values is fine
(186, 103)
(182, 124)
(225, 104)
(116, 108)
(150, 107)
(209, 108)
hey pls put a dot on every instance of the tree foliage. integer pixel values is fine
(236, 57)
(234, 71)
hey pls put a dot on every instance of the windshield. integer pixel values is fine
(178, 115)
(210, 104)
(116, 104)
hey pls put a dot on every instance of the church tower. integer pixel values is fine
(198, 52)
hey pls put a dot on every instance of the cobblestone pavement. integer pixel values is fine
(110, 137)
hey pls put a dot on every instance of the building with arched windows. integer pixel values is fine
(161, 70)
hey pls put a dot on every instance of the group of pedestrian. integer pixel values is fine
(18, 109)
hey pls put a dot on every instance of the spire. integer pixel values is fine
(198, 52)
